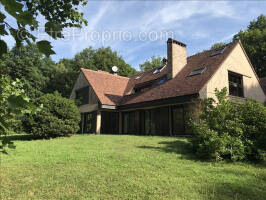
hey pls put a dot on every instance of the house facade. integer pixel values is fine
(161, 100)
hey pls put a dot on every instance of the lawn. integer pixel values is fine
(123, 167)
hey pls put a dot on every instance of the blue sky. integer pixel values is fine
(138, 30)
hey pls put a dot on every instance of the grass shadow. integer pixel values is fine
(178, 146)
(22, 137)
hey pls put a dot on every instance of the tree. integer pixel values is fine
(253, 40)
(150, 64)
(218, 45)
(27, 64)
(62, 79)
(58, 14)
(13, 105)
(102, 59)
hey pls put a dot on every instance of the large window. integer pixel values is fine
(82, 96)
(110, 122)
(235, 84)
(178, 124)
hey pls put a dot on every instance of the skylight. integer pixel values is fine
(138, 77)
(218, 51)
(159, 69)
(197, 71)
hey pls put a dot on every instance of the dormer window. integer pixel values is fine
(218, 51)
(197, 71)
(235, 84)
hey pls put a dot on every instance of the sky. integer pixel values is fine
(138, 30)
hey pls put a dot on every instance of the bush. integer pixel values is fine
(58, 117)
(230, 130)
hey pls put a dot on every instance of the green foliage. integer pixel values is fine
(218, 45)
(41, 75)
(13, 105)
(45, 47)
(102, 59)
(253, 40)
(3, 47)
(230, 130)
(59, 117)
(150, 64)
(27, 64)
(59, 14)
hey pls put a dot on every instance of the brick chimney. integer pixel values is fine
(176, 56)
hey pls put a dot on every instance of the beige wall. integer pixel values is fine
(235, 62)
(93, 100)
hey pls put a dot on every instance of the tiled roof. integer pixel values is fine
(263, 84)
(109, 88)
(117, 90)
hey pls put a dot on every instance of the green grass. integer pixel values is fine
(122, 167)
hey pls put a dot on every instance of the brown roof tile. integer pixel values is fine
(181, 84)
(117, 90)
(108, 87)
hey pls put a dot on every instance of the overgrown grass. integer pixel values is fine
(122, 167)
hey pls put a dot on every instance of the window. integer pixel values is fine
(197, 71)
(235, 84)
(218, 51)
(138, 77)
(82, 96)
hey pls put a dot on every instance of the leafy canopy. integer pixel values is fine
(13, 105)
(57, 13)
(102, 59)
(230, 130)
(150, 64)
(27, 64)
(41, 75)
(253, 40)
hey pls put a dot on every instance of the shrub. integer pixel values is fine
(230, 130)
(58, 117)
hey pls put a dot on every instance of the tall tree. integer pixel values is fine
(254, 42)
(26, 63)
(64, 74)
(149, 64)
(102, 59)
(57, 13)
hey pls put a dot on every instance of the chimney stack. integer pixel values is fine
(176, 57)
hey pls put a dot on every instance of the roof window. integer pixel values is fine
(138, 77)
(218, 51)
(197, 71)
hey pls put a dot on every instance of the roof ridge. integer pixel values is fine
(206, 50)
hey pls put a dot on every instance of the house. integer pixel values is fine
(160, 101)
